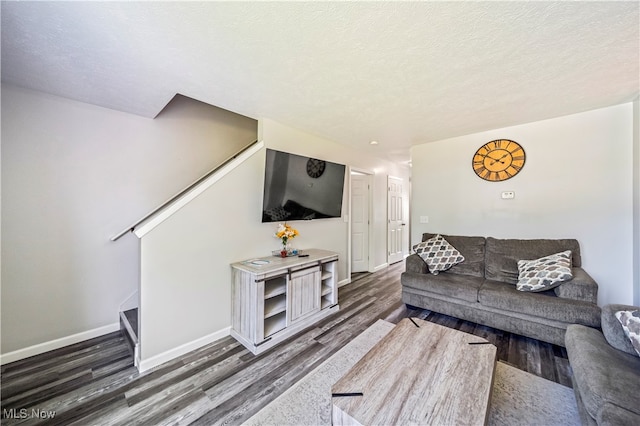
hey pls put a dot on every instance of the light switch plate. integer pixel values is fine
(507, 195)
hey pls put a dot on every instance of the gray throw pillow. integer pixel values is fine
(544, 273)
(438, 254)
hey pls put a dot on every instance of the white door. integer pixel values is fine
(396, 220)
(359, 223)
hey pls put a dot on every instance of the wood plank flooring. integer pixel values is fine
(94, 382)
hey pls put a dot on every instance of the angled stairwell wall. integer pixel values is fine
(185, 279)
(73, 174)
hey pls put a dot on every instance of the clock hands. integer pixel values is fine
(497, 160)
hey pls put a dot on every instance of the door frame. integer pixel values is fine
(369, 175)
(406, 218)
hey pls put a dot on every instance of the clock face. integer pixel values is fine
(498, 160)
(315, 168)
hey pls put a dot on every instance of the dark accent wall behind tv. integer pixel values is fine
(291, 194)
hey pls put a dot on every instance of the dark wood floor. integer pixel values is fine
(94, 382)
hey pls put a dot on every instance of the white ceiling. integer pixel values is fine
(401, 73)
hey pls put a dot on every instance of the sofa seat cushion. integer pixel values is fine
(446, 284)
(603, 374)
(544, 304)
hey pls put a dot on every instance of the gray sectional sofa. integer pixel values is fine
(482, 288)
(606, 371)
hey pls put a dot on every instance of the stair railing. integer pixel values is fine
(181, 193)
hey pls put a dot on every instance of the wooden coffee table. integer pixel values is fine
(420, 373)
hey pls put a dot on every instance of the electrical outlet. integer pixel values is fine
(424, 219)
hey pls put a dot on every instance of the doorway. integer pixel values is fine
(360, 221)
(396, 223)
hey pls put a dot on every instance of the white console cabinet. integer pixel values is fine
(274, 298)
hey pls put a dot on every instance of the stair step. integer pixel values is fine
(129, 326)
(132, 317)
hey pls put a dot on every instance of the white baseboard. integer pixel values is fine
(380, 267)
(154, 361)
(41, 348)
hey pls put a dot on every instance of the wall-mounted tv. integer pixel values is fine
(301, 188)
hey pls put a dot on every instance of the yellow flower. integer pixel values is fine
(285, 232)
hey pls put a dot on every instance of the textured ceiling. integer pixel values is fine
(402, 73)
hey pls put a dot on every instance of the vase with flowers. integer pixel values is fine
(286, 233)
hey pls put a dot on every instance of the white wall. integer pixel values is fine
(636, 202)
(74, 175)
(186, 280)
(186, 277)
(577, 183)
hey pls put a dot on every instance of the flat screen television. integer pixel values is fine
(301, 188)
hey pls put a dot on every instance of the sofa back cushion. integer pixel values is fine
(472, 248)
(501, 260)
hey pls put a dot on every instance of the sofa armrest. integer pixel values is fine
(612, 329)
(581, 287)
(414, 263)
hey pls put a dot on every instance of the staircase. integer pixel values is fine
(130, 308)
(129, 330)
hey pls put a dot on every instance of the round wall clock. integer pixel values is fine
(498, 160)
(315, 168)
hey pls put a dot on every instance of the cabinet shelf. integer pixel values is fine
(274, 324)
(326, 289)
(326, 302)
(329, 289)
(275, 287)
(275, 306)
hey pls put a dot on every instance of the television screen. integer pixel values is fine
(301, 188)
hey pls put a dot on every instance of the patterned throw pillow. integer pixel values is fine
(438, 254)
(544, 273)
(630, 321)
(277, 214)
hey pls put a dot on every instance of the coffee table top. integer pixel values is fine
(419, 373)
